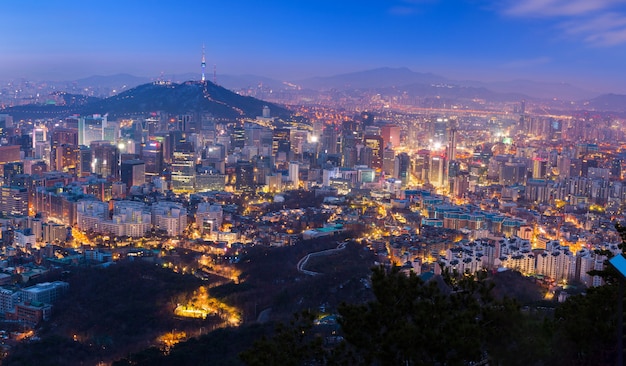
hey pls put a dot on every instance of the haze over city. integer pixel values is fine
(579, 42)
(399, 182)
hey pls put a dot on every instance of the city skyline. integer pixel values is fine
(577, 42)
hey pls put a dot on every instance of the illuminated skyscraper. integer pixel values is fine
(105, 159)
(375, 144)
(437, 169)
(540, 168)
(183, 168)
(452, 144)
(390, 135)
(13, 201)
(39, 134)
(238, 137)
(152, 155)
(61, 136)
(67, 158)
(9, 153)
(281, 141)
(440, 131)
(294, 173)
(91, 128)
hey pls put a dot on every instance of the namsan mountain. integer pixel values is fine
(172, 98)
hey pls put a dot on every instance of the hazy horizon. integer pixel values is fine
(556, 41)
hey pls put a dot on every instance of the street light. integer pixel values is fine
(619, 263)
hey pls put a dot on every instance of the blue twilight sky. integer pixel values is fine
(578, 41)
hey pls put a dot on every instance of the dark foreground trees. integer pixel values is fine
(455, 320)
(585, 327)
(452, 320)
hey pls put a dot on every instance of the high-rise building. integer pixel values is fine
(452, 144)
(391, 135)
(105, 159)
(402, 168)
(616, 169)
(244, 176)
(512, 173)
(389, 162)
(9, 153)
(238, 137)
(437, 171)
(13, 201)
(209, 217)
(61, 136)
(91, 128)
(183, 168)
(169, 216)
(83, 167)
(38, 168)
(152, 155)
(253, 135)
(540, 168)
(12, 169)
(20, 181)
(440, 131)
(67, 158)
(111, 132)
(39, 134)
(375, 143)
(133, 173)
(71, 122)
(294, 173)
(330, 137)
(281, 141)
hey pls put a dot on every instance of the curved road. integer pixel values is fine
(302, 262)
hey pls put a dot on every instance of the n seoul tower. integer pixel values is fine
(203, 64)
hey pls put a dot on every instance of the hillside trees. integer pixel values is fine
(451, 320)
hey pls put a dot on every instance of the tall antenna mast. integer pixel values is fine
(203, 64)
(214, 74)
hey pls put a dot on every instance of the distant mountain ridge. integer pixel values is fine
(544, 90)
(167, 97)
(606, 102)
(383, 77)
(403, 77)
(117, 81)
(384, 80)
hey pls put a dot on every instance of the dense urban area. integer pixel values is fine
(246, 211)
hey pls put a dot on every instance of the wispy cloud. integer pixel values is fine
(596, 22)
(526, 63)
(408, 7)
(549, 8)
(603, 29)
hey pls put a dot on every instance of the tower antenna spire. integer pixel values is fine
(214, 74)
(203, 64)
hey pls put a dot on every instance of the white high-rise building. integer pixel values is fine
(294, 173)
(91, 128)
(209, 217)
(129, 218)
(169, 216)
